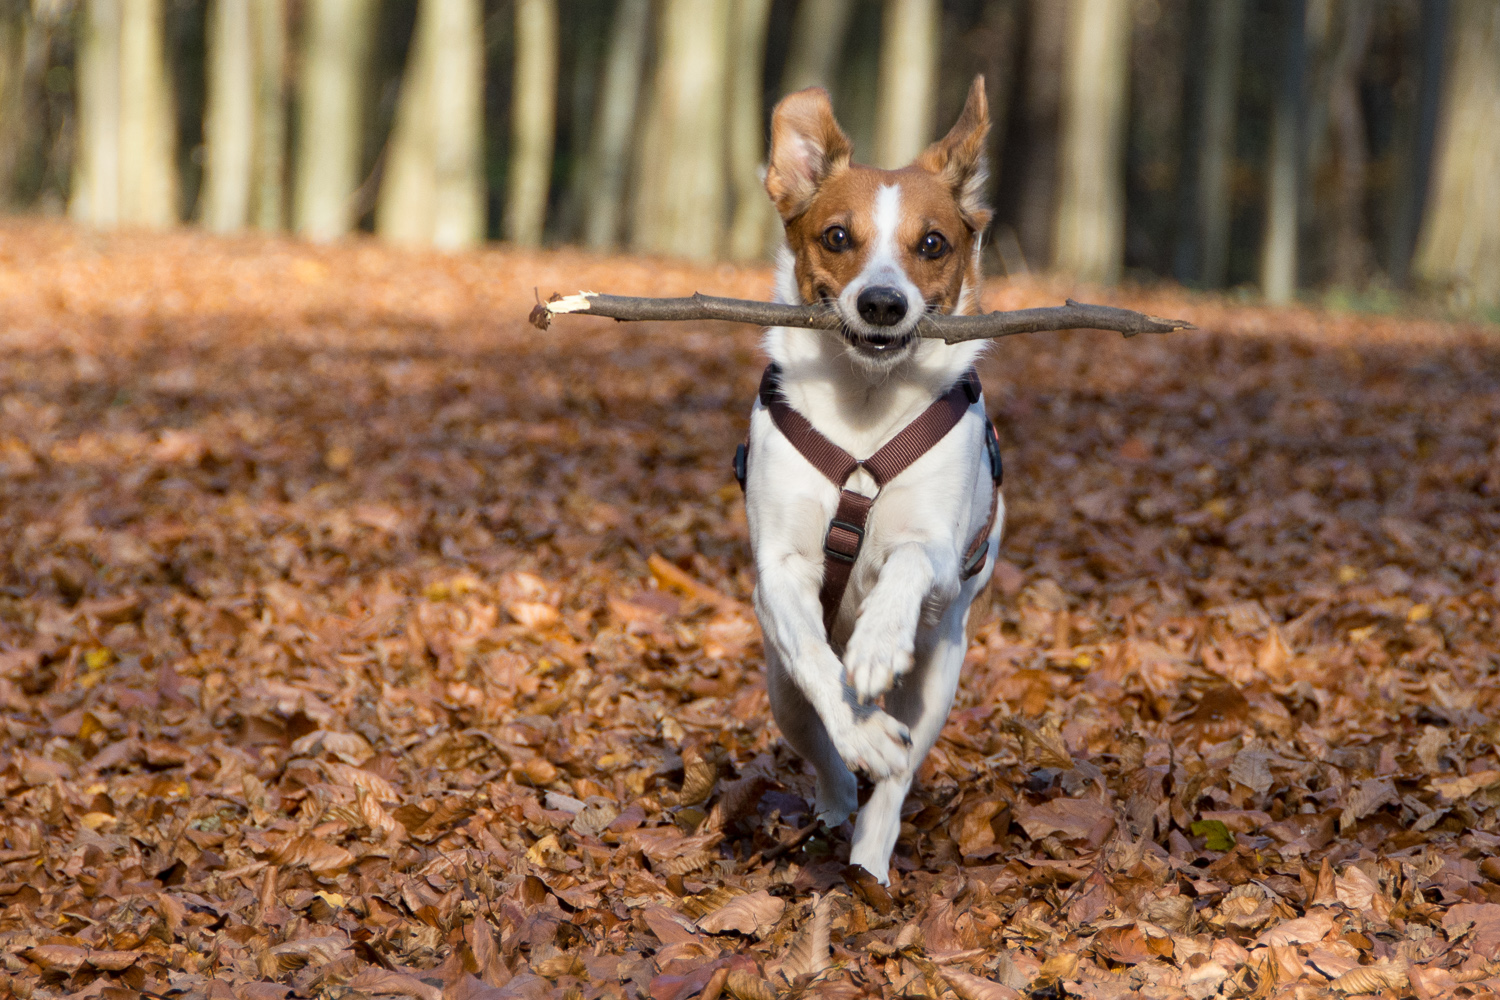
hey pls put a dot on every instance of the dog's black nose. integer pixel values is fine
(881, 305)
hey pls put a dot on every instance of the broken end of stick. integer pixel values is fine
(542, 312)
(1161, 325)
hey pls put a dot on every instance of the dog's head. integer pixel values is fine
(883, 246)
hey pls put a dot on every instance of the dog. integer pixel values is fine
(883, 248)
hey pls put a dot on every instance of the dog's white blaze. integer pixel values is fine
(883, 267)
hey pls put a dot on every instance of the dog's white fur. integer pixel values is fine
(901, 630)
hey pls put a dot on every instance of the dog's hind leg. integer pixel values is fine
(837, 788)
(921, 699)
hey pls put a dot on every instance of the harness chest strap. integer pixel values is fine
(846, 532)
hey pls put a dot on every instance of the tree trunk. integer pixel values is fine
(1089, 240)
(1416, 158)
(907, 96)
(148, 123)
(680, 188)
(335, 56)
(1346, 118)
(818, 31)
(1037, 201)
(754, 218)
(1278, 269)
(432, 192)
(125, 171)
(269, 28)
(1216, 157)
(614, 122)
(533, 121)
(229, 126)
(15, 24)
(1460, 243)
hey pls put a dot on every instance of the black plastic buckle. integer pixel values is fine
(975, 563)
(859, 541)
(741, 464)
(972, 388)
(992, 447)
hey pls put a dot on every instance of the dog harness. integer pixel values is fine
(846, 532)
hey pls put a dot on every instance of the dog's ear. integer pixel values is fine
(807, 148)
(958, 158)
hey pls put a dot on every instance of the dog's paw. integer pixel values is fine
(873, 743)
(875, 657)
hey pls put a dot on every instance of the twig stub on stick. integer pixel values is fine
(952, 329)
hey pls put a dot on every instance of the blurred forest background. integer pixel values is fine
(1344, 148)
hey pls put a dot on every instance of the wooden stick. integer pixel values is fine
(952, 329)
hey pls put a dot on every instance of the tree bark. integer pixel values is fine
(335, 58)
(818, 30)
(533, 121)
(229, 125)
(753, 217)
(1216, 157)
(148, 123)
(1040, 110)
(1089, 238)
(1416, 157)
(1351, 258)
(269, 28)
(125, 168)
(1459, 248)
(1278, 268)
(432, 191)
(619, 96)
(680, 178)
(951, 329)
(15, 25)
(907, 95)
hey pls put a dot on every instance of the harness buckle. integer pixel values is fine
(972, 388)
(741, 464)
(992, 448)
(843, 554)
(975, 562)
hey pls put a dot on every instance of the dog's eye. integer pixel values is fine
(933, 246)
(836, 238)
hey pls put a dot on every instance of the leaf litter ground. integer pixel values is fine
(356, 640)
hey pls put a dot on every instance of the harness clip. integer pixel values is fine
(840, 554)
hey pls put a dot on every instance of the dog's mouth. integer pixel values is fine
(876, 344)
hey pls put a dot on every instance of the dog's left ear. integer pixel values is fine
(958, 158)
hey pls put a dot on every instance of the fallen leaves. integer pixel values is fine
(354, 640)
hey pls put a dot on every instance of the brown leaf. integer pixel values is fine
(753, 914)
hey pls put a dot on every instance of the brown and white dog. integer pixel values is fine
(883, 247)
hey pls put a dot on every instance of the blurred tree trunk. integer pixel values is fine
(15, 26)
(1278, 269)
(1351, 259)
(753, 215)
(1216, 154)
(432, 191)
(269, 28)
(614, 122)
(1041, 102)
(680, 177)
(818, 31)
(335, 55)
(1421, 133)
(533, 121)
(1459, 246)
(125, 169)
(229, 128)
(1089, 240)
(907, 96)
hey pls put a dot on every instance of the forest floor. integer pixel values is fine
(358, 639)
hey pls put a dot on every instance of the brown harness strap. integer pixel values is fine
(846, 532)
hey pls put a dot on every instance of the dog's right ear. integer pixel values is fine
(807, 148)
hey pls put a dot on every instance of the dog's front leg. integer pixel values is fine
(916, 579)
(786, 601)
